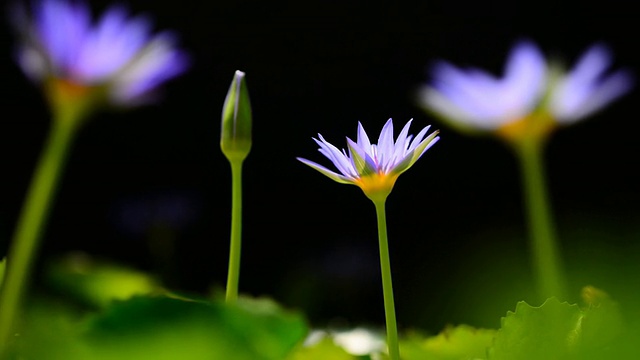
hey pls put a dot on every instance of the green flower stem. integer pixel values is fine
(544, 248)
(233, 276)
(387, 287)
(31, 223)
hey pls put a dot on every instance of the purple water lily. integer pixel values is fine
(117, 53)
(587, 88)
(374, 167)
(474, 99)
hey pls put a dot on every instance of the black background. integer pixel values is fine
(456, 228)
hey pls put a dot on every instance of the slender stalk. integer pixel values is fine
(544, 248)
(31, 224)
(233, 276)
(387, 287)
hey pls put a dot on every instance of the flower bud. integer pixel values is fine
(235, 135)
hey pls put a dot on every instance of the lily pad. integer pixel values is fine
(548, 332)
(461, 342)
(562, 331)
(164, 328)
(98, 283)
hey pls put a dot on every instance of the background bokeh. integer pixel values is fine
(155, 175)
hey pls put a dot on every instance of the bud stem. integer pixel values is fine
(236, 231)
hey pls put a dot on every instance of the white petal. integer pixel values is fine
(400, 146)
(32, 63)
(595, 97)
(418, 139)
(586, 89)
(385, 145)
(113, 43)
(336, 177)
(363, 139)
(339, 160)
(524, 81)
(157, 62)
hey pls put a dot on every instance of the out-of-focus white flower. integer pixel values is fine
(360, 341)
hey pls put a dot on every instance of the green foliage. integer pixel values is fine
(98, 283)
(170, 327)
(562, 331)
(462, 342)
(550, 331)
(51, 332)
(553, 331)
(166, 328)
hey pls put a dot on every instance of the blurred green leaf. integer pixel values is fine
(546, 332)
(51, 331)
(602, 320)
(163, 328)
(562, 331)
(462, 342)
(604, 334)
(98, 283)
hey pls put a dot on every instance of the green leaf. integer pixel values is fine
(602, 320)
(604, 334)
(165, 328)
(548, 332)
(561, 331)
(98, 283)
(51, 331)
(462, 342)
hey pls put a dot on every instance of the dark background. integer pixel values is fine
(456, 228)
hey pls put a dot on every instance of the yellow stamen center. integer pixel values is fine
(62, 90)
(73, 100)
(377, 186)
(532, 127)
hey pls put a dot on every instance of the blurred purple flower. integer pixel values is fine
(117, 53)
(374, 168)
(586, 88)
(474, 99)
(478, 99)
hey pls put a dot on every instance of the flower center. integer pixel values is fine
(68, 89)
(377, 186)
(72, 100)
(536, 126)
